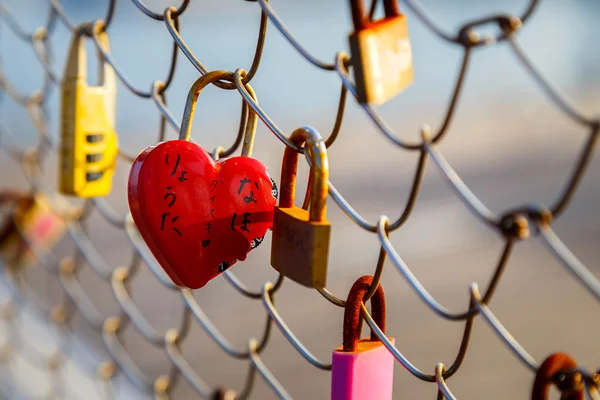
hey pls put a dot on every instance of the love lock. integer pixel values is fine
(362, 369)
(198, 216)
(29, 227)
(381, 53)
(300, 248)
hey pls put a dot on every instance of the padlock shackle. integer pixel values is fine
(319, 172)
(352, 312)
(251, 124)
(76, 65)
(107, 75)
(553, 365)
(190, 108)
(361, 21)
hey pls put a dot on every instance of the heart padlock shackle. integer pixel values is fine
(199, 216)
(362, 369)
(89, 144)
(381, 53)
(300, 247)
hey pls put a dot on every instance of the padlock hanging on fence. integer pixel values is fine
(198, 216)
(381, 53)
(571, 386)
(88, 144)
(29, 227)
(362, 369)
(300, 248)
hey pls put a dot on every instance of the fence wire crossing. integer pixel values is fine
(514, 226)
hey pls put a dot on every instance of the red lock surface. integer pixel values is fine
(198, 216)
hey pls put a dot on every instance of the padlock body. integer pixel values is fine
(366, 374)
(88, 141)
(382, 60)
(198, 217)
(300, 247)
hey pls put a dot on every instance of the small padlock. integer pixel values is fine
(300, 247)
(381, 53)
(89, 148)
(30, 226)
(362, 369)
(199, 216)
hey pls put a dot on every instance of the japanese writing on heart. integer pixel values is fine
(199, 216)
(246, 191)
(171, 198)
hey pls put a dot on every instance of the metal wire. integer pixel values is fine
(260, 44)
(439, 376)
(512, 226)
(266, 7)
(568, 259)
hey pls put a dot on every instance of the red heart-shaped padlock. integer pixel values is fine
(198, 216)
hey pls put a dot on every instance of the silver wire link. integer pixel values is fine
(67, 269)
(265, 373)
(439, 376)
(568, 259)
(290, 38)
(287, 332)
(501, 331)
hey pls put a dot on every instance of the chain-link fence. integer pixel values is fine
(70, 299)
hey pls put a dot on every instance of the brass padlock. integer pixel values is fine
(300, 247)
(381, 53)
(89, 148)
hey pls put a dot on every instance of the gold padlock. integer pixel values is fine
(381, 53)
(89, 148)
(300, 247)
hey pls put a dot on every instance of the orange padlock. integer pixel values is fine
(381, 53)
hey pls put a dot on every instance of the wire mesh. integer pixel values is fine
(515, 225)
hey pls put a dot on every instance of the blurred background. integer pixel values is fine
(509, 144)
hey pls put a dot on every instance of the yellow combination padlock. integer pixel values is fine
(89, 147)
(381, 53)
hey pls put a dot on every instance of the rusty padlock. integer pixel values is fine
(89, 146)
(300, 248)
(362, 369)
(381, 53)
(571, 387)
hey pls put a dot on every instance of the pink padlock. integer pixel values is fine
(362, 369)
